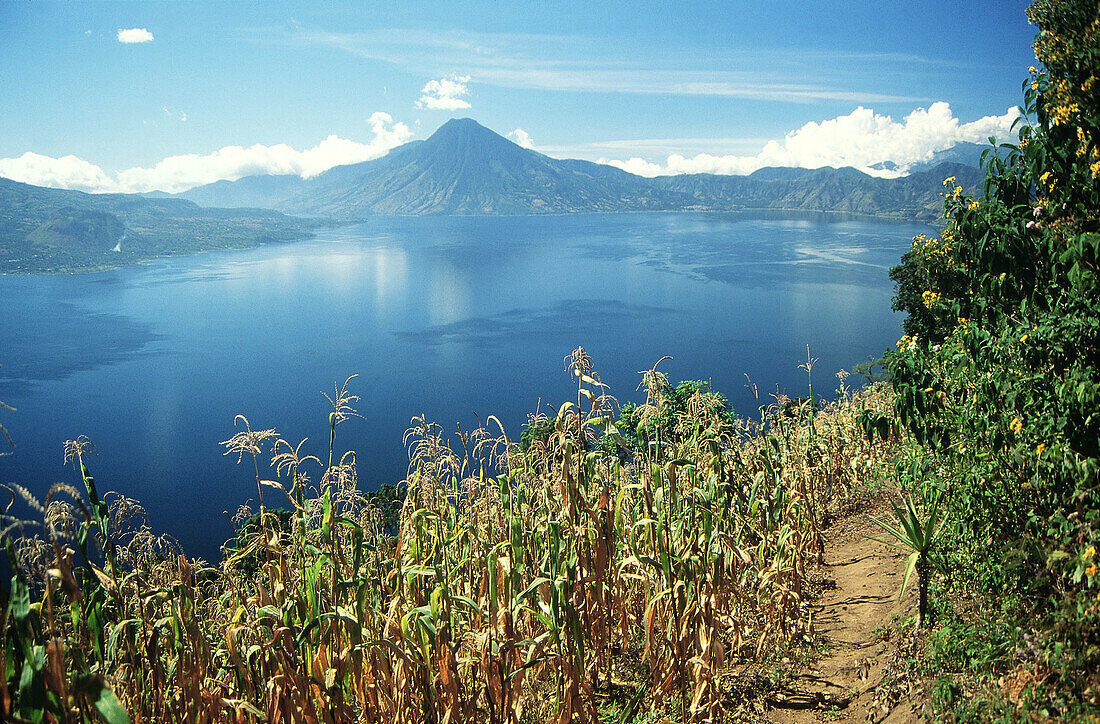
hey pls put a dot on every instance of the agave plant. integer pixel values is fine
(919, 538)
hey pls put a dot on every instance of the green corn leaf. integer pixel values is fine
(435, 601)
(272, 611)
(117, 632)
(468, 602)
(326, 520)
(106, 703)
(531, 588)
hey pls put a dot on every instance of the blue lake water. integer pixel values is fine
(454, 318)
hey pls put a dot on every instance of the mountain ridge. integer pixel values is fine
(465, 168)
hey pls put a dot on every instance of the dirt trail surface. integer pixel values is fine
(852, 681)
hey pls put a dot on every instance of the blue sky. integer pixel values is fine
(611, 82)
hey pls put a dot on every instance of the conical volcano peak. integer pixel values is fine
(461, 126)
(465, 131)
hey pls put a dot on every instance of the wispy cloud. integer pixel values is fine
(862, 139)
(134, 35)
(445, 94)
(179, 173)
(725, 84)
(182, 116)
(587, 65)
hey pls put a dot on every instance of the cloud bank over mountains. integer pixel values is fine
(179, 173)
(863, 139)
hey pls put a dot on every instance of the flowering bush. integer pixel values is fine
(999, 375)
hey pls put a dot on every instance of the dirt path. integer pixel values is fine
(851, 681)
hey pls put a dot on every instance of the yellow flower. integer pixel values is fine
(1024, 338)
(1040, 448)
(1089, 553)
(1016, 425)
(1095, 169)
(1031, 69)
(973, 205)
(1061, 114)
(948, 181)
(1091, 570)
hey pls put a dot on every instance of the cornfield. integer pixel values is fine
(520, 583)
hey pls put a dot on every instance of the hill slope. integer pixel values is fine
(55, 230)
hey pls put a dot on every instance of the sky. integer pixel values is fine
(138, 96)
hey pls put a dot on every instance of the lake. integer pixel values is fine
(455, 318)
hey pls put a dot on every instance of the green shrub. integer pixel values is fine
(998, 376)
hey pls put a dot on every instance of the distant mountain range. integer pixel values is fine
(462, 169)
(465, 168)
(56, 230)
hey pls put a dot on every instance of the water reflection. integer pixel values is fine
(391, 269)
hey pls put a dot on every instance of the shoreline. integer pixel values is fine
(328, 224)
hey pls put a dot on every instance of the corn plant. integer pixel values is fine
(522, 581)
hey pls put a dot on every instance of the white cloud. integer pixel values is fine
(179, 173)
(66, 172)
(443, 94)
(183, 117)
(637, 166)
(134, 35)
(522, 138)
(861, 139)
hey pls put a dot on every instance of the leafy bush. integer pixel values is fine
(998, 375)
